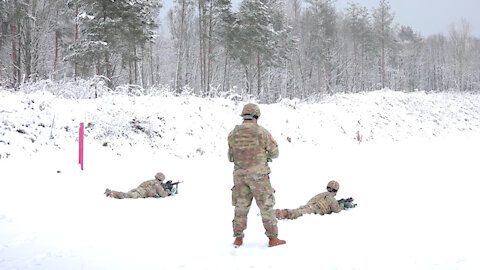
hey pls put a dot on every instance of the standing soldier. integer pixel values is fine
(250, 146)
(151, 188)
(321, 204)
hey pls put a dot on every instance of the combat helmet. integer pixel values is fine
(160, 176)
(333, 186)
(250, 111)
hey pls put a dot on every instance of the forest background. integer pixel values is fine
(266, 49)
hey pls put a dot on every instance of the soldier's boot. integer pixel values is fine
(108, 192)
(238, 241)
(116, 195)
(276, 242)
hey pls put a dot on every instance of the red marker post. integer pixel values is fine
(80, 145)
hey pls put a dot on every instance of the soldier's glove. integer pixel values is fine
(269, 159)
(347, 203)
(173, 191)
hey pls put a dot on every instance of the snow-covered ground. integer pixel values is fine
(410, 160)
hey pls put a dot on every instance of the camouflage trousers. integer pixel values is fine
(313, 208)
(247, 187)
(132, 194)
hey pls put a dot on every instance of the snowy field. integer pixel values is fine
(410, 160)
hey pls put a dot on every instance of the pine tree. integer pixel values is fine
(112, 31)
(256, 39)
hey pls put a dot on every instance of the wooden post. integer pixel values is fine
(80, 144)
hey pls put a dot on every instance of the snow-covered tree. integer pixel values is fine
(322, 47)
(255, 40)
(266, 48)
(111, 33)
(181, 27)
(382, 21)
(459, 38)
(25, 26)
(359, 31)
(409, 61)
(227, 26)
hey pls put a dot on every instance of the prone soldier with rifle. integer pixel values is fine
(149, 189)
(321, 204)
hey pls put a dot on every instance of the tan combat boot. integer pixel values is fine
(238, 241)
(276, 242)
(116, 195)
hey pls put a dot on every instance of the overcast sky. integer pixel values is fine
(429, 16)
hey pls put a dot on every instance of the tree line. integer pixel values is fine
(268, 49)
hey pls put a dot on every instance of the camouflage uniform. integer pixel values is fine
(321, 204)
(150, 188)
(249, 146)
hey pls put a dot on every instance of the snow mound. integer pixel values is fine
(189, 126)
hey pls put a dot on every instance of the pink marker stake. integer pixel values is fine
(80, 144)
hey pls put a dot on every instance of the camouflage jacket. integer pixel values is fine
(152, 188)
(249, 146)
(325, 203)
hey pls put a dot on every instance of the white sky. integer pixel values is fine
(429, 16)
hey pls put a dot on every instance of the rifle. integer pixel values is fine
(169, 186)
(347, 203)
